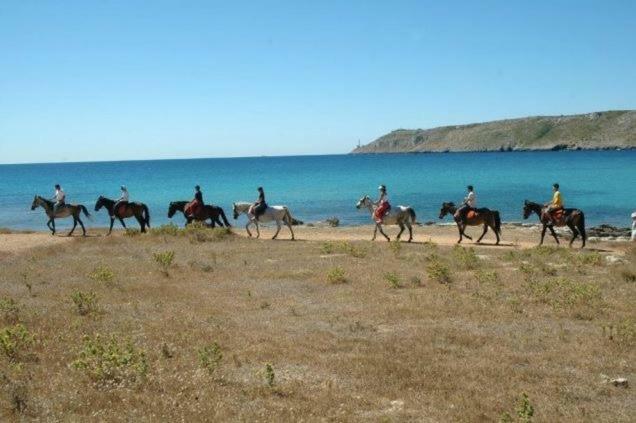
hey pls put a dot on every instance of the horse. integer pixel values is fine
(139, 210)
(272, 213)
(573, 218)
(209, 212)
(403, 216)
(489, 218)
(67, 210)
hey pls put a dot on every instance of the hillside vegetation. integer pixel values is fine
(600, 130)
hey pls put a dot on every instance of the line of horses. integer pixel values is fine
(402, 216)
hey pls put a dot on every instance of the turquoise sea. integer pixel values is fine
(602, 183)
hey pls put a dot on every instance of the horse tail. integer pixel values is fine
(222, 213)
(85, 210)
(497, 221)
(146, 214)
(412, 213)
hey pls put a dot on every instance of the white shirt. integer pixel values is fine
(124, 195)
(471, 199)
(59, 195)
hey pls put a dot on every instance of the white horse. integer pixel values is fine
(277, 214)
(403, 216)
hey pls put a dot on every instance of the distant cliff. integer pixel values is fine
(600, 130)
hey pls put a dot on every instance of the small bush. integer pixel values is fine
(623, 332)
(112, 361)
(269, 375)
(486, 277)
(102, 274)
(437, 270)
(563, 293)
(14, 340)
(210, 357)
(591, 259)
(393, 280)
(396, 247)
(416, 281)
(628, 275)
(85, 303)
(9, 310)
(132, 232)
(465, 257)
(524, 411)
(336, 275)
(170, 229)
(164, 259)
(344, 247)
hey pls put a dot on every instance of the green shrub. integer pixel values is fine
(269, 375)
(393, 280)
(563, 293)
(524, 411)
(344, 247)
(14, 340)
(336, 275)
(9, 310)
(170, 229)
(164, 259)
(437, 270)
(623, 332)
(85, 303)
(465, 257)
(486, 277)
(113, 360)
(333, 222)
(132, 232)
(592, 259)
(210, 357)
(102, 273)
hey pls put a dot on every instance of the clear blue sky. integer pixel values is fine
(107, 80)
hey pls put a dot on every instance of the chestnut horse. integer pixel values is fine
(572, 218)
(486, 217)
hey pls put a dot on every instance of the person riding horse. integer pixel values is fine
(122, 200)
(555, 205)
(469, 204)
(383, 204)
(59, 199)
(259, 206)
(196, 206)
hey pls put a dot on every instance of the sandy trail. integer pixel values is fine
(512, 237)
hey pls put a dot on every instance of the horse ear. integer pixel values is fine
(525, 202)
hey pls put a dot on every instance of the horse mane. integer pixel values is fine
(46, 200)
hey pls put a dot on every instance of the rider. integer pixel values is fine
(383, 204)
(122, 200)
(59, 199)
(556, 203)
(259, 207)
(470, 203)
(197, 203)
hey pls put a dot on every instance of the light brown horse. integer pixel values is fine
(486, 217)
(138, 210)
(572, 218)
(68, 210)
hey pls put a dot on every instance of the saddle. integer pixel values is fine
(121, 209)
(557, 216)
(193, 208)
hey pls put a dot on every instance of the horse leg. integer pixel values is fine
(556, 238)
(410, 228)
(124, 224)
(375, 232)
(382, 232)
(289, 225)
(483, 233)
(575, 233)
(82, 225)
(277, 229)
(247, 228)
(53, 224)
(401, 230)
(48, 223)
(74, 225)
(461, 232)
(258, 230)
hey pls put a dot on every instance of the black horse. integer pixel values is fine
(138, 210)
(488, 218)
(209, 212)
(572, 218)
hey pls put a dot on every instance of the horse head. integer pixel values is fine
(172, 209)
(527, 209)
(235, 212)
(446, 208)
(100, 203)
(35, 203)
(363, 202)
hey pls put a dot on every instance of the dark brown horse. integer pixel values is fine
(486, 217)
(572, 218)
(138, 210)
(209, 212)
(68, 210)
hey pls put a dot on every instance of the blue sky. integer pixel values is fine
(117, 80)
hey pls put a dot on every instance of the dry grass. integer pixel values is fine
(253, 330)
